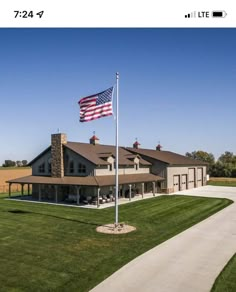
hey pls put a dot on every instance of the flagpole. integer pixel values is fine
(117, 153)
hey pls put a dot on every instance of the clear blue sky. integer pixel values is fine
(177, 86)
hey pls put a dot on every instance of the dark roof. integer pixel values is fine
(166, 156)
(105, 180)
(66, 180)
(96, 153)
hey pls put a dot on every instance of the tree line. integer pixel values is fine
(224, 166)
(11, 163)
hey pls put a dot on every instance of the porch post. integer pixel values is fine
(130, 192)
(56, 193)
(10, 189)
(98, 205)
(142, 184)
(40, 192)
(153, 188)
(28, 189)
(22, 189)
(78, 194)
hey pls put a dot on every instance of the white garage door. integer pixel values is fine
(176, 181)
(184, 182)
(191, 178)
(199, 177)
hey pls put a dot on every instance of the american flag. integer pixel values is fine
(96, 106)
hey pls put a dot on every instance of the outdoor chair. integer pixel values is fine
(108, 199)
(101, 200)
(112, 198)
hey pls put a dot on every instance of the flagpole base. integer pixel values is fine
(116, 228)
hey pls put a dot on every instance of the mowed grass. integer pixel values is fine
(56, 248)
(226, 281)
(222, 181)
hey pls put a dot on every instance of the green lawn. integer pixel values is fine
(223, 183)
(226, 281)
(56, 248)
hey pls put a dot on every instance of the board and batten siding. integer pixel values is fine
(44, 159)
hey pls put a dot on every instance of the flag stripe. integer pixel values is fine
(94, 108)
(95, 116)
(97, 112)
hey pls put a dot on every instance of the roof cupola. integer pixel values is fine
(136, 144)
(94, 139)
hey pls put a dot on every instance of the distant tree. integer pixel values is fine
(221, 170)
(19, 163)
(24, 162)
(9, 163)
(202, 156)
(233, 173)
(228, 158)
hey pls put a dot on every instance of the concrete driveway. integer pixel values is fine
(188, 262)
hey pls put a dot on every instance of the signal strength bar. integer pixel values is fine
(190, 15)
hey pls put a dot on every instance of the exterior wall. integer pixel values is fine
(105, 170)
(48, 192)
(76, 158)
(43, 159)
(68, 156)
(183, 172)
(158, 168)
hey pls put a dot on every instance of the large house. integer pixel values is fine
(85, 172)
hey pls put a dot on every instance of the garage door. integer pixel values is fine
(184, 182)
(191, 178)
(176, 180)
(199, 177)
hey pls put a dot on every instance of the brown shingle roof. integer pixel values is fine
(166, 156)
(95, 153)
(105, 180)
(108, 180)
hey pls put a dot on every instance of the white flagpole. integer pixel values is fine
(117, 154)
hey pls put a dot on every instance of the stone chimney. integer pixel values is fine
(57, 162)
(136, 144)
(158, 148)
(94, 140)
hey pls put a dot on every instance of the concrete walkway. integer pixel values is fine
(188, 262)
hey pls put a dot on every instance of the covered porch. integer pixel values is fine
(87, 191)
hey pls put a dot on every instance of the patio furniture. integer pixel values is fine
(102, 200)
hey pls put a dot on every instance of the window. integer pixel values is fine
(49, 167)
(136, 166)
(81, 168)
(110, 167)
(42, 168)
(71, 167)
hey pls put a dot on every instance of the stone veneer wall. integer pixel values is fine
(57, 163)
